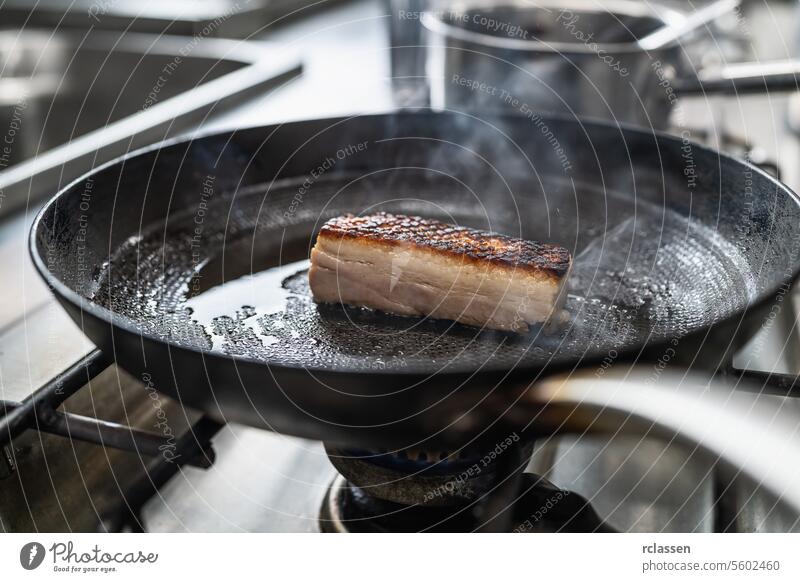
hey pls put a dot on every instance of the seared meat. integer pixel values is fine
(412, 266)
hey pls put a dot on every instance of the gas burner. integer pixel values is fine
(424, 491)
(419, 477)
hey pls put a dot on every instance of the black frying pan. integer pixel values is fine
(678, 252)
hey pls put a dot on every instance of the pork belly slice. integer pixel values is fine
(413, 266)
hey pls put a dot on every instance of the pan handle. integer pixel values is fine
(743, 78)
(756, 435)
(774, 383)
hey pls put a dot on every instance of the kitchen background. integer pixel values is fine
(66, 75)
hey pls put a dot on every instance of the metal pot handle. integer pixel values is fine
(743, 78)
(674, 32)
(775, 383)
(757, 435)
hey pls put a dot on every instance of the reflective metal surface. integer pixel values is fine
(575, 58)
(71, 101)
(733, 427)
(223, 18)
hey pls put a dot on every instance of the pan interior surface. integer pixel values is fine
(232, 278)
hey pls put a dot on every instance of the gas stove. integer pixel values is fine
(88, 447)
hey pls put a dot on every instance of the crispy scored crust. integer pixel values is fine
(447, 240)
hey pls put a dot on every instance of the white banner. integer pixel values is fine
(464, 557)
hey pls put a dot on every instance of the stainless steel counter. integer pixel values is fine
(268, 482)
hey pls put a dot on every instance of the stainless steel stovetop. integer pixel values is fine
(267, 482)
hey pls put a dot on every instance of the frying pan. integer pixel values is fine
(186, 262)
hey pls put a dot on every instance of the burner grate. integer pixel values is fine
(39, 412)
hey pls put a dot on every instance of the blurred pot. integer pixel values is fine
(617, 61)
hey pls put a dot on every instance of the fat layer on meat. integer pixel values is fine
(412, 266)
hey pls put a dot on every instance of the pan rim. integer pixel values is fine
(556, 364)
